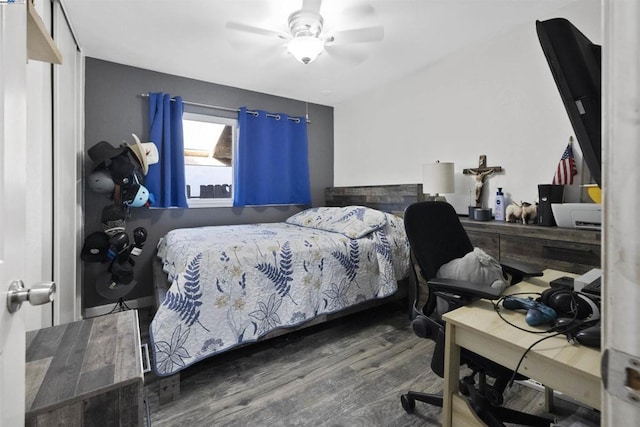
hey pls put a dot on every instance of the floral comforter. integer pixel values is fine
(233, 284)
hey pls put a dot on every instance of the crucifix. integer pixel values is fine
(481, 172)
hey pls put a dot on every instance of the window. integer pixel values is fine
(209, 150)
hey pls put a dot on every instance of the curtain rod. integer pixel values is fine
(237, 110)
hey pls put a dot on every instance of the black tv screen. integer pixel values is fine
(575, 63)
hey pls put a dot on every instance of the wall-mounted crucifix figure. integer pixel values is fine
(481, 172)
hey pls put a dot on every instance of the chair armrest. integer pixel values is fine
(463, 288)
(519, 271)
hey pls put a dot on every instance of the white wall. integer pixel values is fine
(496, 98)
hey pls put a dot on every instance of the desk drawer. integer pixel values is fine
(560, 255)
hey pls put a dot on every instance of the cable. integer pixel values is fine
(515, 371)
(554, 332)
(565, 328)
(496, 307)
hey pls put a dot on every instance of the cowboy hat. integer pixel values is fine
(146, 153)
(102, 152)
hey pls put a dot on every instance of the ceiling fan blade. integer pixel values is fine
(358, 12)
(360, 35)
(236, 26)
(311, 5)
(345, 54)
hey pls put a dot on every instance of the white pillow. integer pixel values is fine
(352, 221)
(476, 267)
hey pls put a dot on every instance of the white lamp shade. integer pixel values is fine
(438, 178)
(305, 48)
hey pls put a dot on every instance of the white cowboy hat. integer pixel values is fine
(146, 153)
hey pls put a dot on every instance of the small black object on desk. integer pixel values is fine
(564, 282)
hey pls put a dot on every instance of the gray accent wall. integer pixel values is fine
(114, 110)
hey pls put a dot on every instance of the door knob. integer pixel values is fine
(40, 293)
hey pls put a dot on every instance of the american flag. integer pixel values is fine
(566, 168)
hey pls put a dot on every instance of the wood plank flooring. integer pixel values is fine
(348, 372)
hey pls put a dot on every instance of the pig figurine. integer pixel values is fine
(529, 213)
(523, 211)
(513, 213)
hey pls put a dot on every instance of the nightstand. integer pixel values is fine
(87, 372)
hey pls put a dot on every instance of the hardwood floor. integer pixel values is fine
(349, 372)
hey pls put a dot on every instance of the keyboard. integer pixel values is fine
(593, 288)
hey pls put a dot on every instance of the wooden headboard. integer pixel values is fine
(387, 198)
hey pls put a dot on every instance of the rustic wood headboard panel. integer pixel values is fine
(387, 198)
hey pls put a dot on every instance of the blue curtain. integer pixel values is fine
(272, 164)
(165, 179)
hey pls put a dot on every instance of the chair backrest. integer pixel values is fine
(435, 235)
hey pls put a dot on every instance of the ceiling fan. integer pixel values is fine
(306, 39)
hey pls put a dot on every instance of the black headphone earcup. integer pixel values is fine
(566, 303)
(546, 296)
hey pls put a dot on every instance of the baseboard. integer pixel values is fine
(105, 309)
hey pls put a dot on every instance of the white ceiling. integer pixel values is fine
(189, 38)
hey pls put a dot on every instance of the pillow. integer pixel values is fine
(352, 221)
(476, 267)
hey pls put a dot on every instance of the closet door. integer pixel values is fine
(67, 170)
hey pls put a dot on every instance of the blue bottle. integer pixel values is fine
(499, 211)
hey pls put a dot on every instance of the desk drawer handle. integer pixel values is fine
(576, 256)
(144, 355)
(569, 251)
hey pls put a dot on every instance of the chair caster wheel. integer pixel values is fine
(408, 403)
(494, 397)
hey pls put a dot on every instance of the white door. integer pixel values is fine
(621, 177)
(13, 174)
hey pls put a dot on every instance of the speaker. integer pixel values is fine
(547, 194)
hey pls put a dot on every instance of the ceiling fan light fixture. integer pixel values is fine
(305, 48)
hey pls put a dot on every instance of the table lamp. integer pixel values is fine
(437, 178)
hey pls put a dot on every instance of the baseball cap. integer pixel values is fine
(95, 247)
(122, 272)
(110, 288)
(121, 169)
(113, 219)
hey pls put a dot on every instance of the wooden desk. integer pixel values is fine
(87, 372)
(565, 249)
(571, 369)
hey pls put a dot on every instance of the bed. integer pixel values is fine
(234, 285)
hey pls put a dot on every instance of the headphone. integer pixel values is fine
(570, 304)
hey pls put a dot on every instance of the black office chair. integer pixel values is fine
(436, 237)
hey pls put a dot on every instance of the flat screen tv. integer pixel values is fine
(575, 63)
